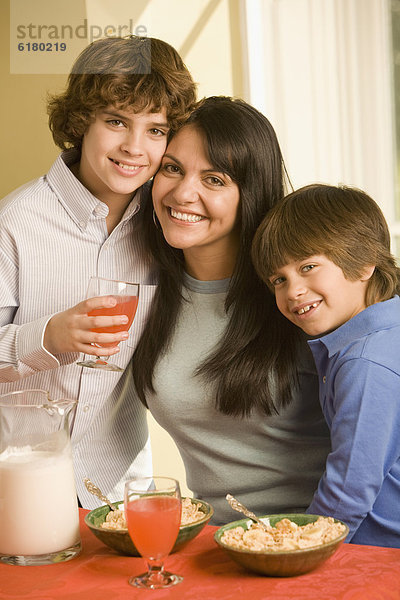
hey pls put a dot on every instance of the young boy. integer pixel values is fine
(123, 97)
(325, 251)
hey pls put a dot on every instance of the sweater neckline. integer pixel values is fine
(206, 287)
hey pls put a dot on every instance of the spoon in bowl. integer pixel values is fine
(236, 505)
(93, 489)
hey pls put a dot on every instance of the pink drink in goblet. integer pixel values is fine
(153, 514)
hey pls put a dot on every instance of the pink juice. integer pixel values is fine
(126, 305)
(38, 503)
(153, 524)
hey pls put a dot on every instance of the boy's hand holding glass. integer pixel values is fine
(123, 299)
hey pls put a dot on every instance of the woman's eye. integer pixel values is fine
(169, 168)
(215, 180)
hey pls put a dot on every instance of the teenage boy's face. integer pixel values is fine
(315, 295)
(121, 150)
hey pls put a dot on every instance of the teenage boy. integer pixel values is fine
(325, 251)
(81, 219)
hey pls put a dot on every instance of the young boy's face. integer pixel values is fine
(121, 150)
(315, 295)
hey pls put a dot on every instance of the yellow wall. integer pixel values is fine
(202, 35)
(205, 32)
(27, 149)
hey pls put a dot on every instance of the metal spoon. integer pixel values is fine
(236, 505)
(93, 489)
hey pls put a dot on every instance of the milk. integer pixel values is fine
(38, 503)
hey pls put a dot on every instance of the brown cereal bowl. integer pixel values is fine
(285, 563)
(119, 539)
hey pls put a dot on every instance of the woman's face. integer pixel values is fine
(197, 206)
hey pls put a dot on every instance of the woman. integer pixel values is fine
(242, 407)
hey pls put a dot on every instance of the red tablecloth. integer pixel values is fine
(353, 573)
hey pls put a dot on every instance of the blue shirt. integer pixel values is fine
(359, 376)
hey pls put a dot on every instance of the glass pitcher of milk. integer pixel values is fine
(39, 519)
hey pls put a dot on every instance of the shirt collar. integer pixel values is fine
(381, 315)
(78, 201)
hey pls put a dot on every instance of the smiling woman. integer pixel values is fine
(217, 376)
(197, 206)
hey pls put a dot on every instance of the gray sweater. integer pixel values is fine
(270, 463)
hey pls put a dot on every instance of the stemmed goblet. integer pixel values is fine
(127, 298)
(153, 514)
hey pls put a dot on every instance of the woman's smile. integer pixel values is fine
(185, 216)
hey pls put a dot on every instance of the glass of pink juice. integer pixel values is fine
(127, 298)
(153, 514)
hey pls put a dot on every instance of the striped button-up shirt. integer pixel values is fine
(53, 237)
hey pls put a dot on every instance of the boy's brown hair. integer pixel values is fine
(144, 74)
(343, 223)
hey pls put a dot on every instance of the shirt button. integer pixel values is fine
(324, 379)
(86, 408)
(100, 211)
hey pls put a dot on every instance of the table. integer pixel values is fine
(353, 573)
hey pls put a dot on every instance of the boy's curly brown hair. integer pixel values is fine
(144, 74)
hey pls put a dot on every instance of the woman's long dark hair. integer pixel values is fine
(253, 365)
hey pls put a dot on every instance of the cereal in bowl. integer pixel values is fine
(285, 535)
(115, 519)
(191, 513)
